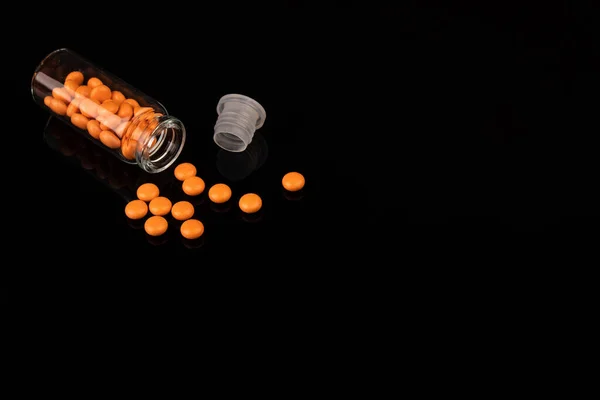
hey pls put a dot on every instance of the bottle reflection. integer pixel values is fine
(220, 207)
(120, 177)
(237, 166)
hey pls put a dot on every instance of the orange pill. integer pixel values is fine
(62, 94)
(147, 192)
(184, 171)
(125, 111)
(219, 193)
(132, 102)
(182, 210)
(110, 140)
(94, 82)
(250, 203)
(83, 91)
(128, 148)
(293, 181)
(138, 130)
(137, 111)
(93, 128)
(71, 86)
(136, 209)
(117, 97)
(58, 107)
(100, 93)
(193, 186)
(75, 76)
(192, 229)
(108, 107)
(48, 100)
(160, 206)
(79, 120)
(73, 107)
(88, 107)
(156, 225)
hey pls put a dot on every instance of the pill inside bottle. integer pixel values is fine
(134, 127)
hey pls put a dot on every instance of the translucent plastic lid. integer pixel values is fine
(239, 117)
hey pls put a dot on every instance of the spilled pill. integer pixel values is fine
(147, 191)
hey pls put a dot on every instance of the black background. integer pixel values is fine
(410, 123)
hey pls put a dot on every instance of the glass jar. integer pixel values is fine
(108, 111)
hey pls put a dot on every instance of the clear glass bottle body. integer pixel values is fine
(108, 111)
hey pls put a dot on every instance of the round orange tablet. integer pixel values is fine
(293, 181)
(193, 186)
(184, 171)
(219, 193)
(156, 225)
(250, 203)
(160, 206)
(94, 82)
(100, 93)
(147, 191)
(136, 209)
(182, 210)
(192, 229)
(75, 76)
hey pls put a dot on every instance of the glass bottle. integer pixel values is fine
(108, 111)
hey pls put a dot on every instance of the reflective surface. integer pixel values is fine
(423, 119)
(237, 166)
(226, 226)
(121, 178)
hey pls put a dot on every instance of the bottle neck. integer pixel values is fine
(154, 140)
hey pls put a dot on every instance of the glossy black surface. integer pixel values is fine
(408, 122)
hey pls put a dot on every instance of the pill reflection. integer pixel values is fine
(196, 200)
(157, 240)
(193, 243)
(220, 207)
(293, 196)
(252, 218)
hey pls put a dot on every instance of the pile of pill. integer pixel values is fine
(150, 200)
(107, 115)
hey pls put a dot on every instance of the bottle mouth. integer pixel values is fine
(229, 141)
(162, 146)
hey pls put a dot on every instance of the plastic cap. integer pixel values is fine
(239, 117)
